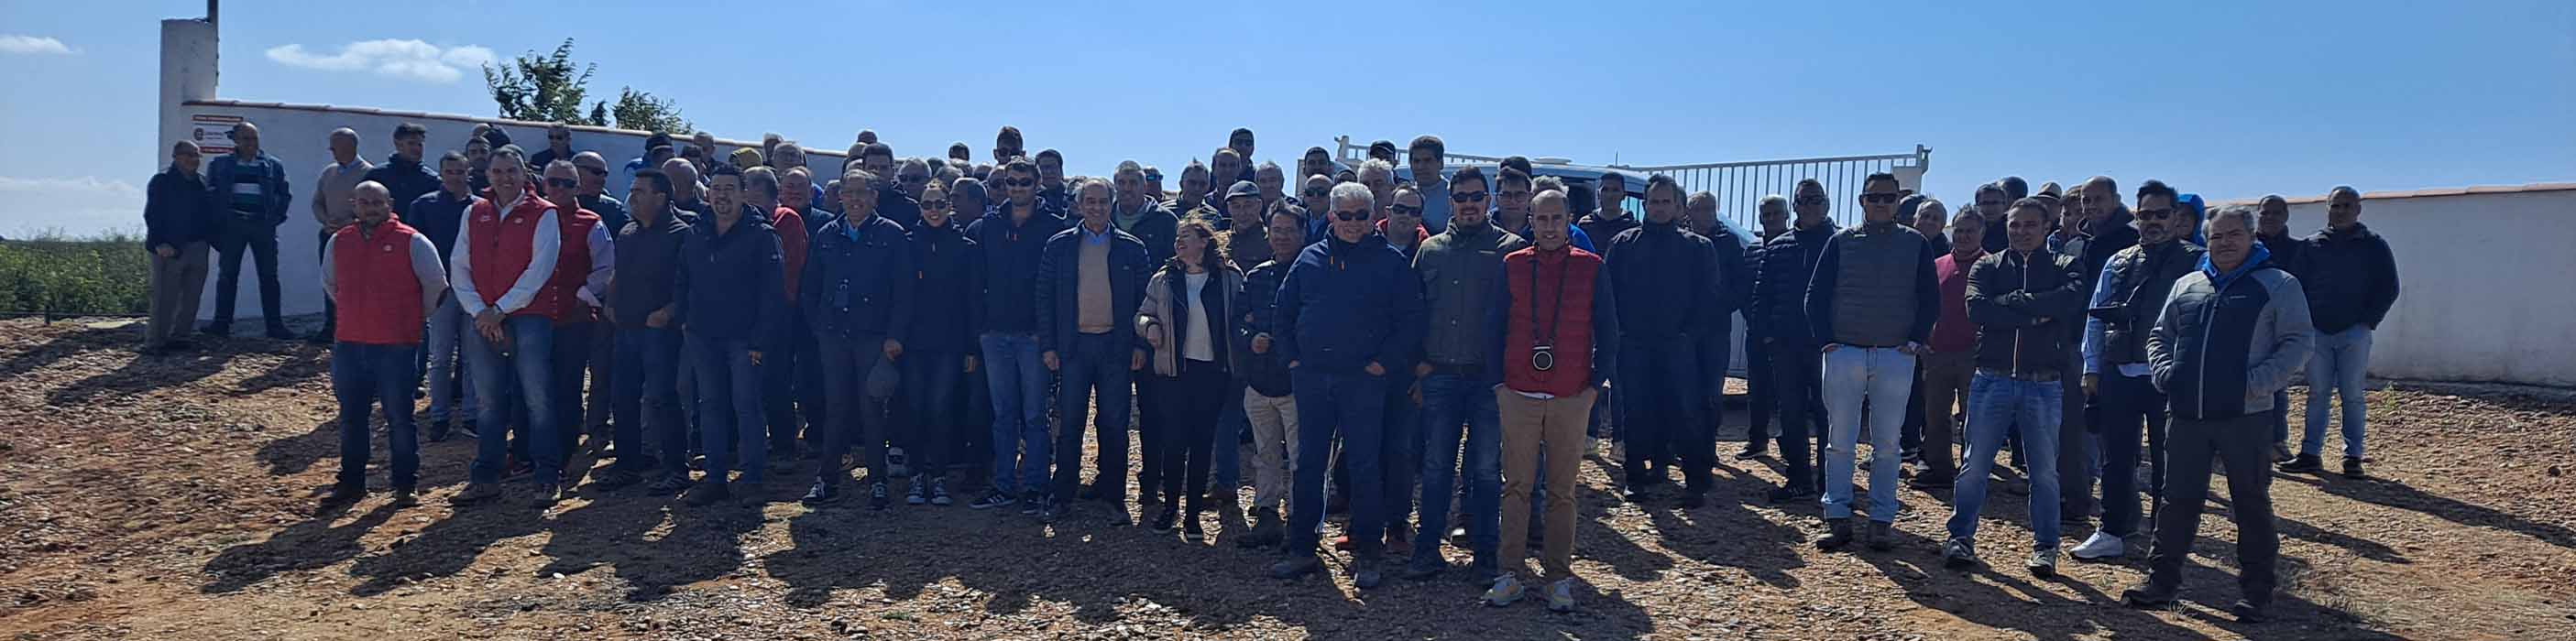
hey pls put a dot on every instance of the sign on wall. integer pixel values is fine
(212, 132)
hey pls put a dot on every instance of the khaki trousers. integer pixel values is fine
(177, 284)
(1529, 424)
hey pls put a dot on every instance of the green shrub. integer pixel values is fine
(62, 275)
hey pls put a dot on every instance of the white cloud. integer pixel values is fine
(79, 205)
(13, 43)
(405, 59)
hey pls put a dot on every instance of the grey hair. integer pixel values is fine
(1380, 165)
(1355, 192)
(763, 179)
(1699, 199)
(1769, 200)
(1130, 166)
(909, 163)
(2244, 215)
(1268, 167)
(345, 132)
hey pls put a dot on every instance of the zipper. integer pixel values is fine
(2016, 343)
(2208, 312)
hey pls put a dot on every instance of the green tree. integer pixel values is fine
(552, 87)
(641, 111)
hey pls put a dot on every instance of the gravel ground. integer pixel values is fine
(173, 498)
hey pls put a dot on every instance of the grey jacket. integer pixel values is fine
(2223, 344)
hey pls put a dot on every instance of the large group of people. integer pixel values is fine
(1431, 356)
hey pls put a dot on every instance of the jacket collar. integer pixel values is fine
(2256, 258)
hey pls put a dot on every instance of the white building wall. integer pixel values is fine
(2485, 291)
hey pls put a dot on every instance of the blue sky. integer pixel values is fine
(2216, 98)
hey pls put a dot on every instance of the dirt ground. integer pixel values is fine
(173, 498)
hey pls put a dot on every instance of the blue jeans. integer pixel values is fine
(1998, 404)
(363, 376)
(1094, 363)
(532, 341)
(1227, 443)
(1019, 388)
(1347, 405)
(2340, 362)
(1882, 377)
(448, 328)
(646, 400)
(258, 238)
(1453, 407)
(729, 409)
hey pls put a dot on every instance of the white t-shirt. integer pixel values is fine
(1197, 346)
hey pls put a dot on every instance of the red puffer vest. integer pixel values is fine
(572, 267)
(503, 247)
(1549, 290)
(379, 297)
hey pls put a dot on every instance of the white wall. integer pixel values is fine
(298, 135)
(2484, 285)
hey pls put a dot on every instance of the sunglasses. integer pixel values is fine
(1466, 196)
(562, 183)
(559, 137)
(1351, 216)
(1314, 192)
(1153, 178)
(595, 171)
(934, 204)
(1405, 210)
(1019, 182)
(1811, 200)
(1882, 197)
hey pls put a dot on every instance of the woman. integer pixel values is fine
(1184, 319)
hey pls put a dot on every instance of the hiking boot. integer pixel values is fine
(1959, 554)
(823, 492)
(878, 499)
(2150, 595)
(2352, 466)
(992, 499)
(1791, 493)
(1880, 537)
(2042, 564)
(406, 497)
(2101, 546)
(1296, 565)
(1165, 519)
(1838, 535)
(1506, 591)
(2304, 464)
(1265, 530)
(917, 491)
(547, 495)
(476, 493)
(939, 492)
(1560, 596)
(708, 493)
(667, 485)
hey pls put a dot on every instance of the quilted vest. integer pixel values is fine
(572, 267)
(1549, 290)
(503, 246)
(379, 300)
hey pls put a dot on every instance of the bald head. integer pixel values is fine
(684, 179)
(374, 203)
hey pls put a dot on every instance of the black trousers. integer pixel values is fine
(1797, 376)
(2244, 442)
(1667, 405)
(1150, 436)
(1188, 404)
(571, 359)
(846, 362)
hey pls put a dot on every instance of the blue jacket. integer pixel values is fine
(858, 280)
(438, 216)
(612, 213)
(177, 211)
(1010, 257)
(409, 180)
(219, 181)
(947, 281)
(1059, 287)
(733, 285)
(1345, 305)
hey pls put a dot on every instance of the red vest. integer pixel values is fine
(572, 267)
(1560, 297)
(503, 247)
(379, 298)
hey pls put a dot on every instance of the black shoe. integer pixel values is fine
(1928, 482)
(437, 432)
(2352, 466)
(1118, 516)
(343, 495)
(547, 495)
(615, 478)
(322, 337)
(218, 330)
(1296, 565)
(751, 494)
(1088, 493)
(2249, 611)
(1881, 536)
(1032, 504)
(877, 498)
(2304, 464)
(667, 486)
(1425, 570)
(708, 493)
(1694, 499)
(1165, 520)
(1791, 492)
(406, 497)
(993, 499)
(1838, 535)
(279, 332)
(1048, 509)
(1365, 575)
(822, 493)
(2149, 595)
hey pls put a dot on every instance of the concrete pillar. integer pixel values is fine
(188, 69)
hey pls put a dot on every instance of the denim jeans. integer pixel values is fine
(857, 418)
(1344, 406)
(448, 329)
(365, 376)
(571, 360)
(1997, 404)
(930, 383)
(2340, 362)
(2129, 404)
(531, 344)
(1882, 377)
(1456, 406)
(645, 400)
(259, 239)
(1020, 438)
(1094, 364)
(1400, 459)
(729, 409)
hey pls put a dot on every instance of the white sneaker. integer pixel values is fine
(2101, 546)
(1560, 596)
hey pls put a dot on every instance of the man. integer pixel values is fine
(1380, 179)
(1051, 184)
(1272, 182)
(1382, 150)
(657, 143)
(1007, 145)
(781, 365)
(441, 215)
(1789, 262)
(558, 146)
(2101, 228)
(1240, 142)
(1461, 269)
(1009, 242)
(1349, 306)
(1735, 286)
(592, 196)
(1316, 162)
(394, 279)
(178, 219)
(2351, 279)
(688, 194)
(1144, 217)
(893, 203)
(1677, 286)
(1547, 391)
(2232, 332)
(1992, 200)
(1136, 212)
(948, 278)
(960, 153)
(1910, 212)
(2124, 304)
(1872, 303)
(1773, 213)
(1154, 182)
(1610, 219)
(1195, 190)
(1269, 408)
(1949, 364)
(644, 306)
(910, 177)
(856, 295)
(593, 193)
(251, 185)
(1090, 279)
(1512, 192)
(1427, 157)
(1247, 242)
(2018, 300)
(1224, 167)
(504, 257)
(478, 151)
(732, 306)
(580, 281)
(788, 157)
(2272, 228)
(404, 173)
(331, 193)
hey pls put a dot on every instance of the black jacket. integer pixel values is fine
(178, 211)
(1155, 228)
(733, 285)
(1667, 280)
(859, 286)
(1257, 312)
(648, 266)
(2132, 290)
(1010, 257)
(408, 180)
(1779, 306)
(1058, 312)
(948, 275)
(2022, 306)
(2350, 277)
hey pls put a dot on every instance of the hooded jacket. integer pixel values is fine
(2350, 278)
(2224, 342)
(1345, 305)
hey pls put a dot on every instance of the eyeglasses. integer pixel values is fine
(1350, 216)
(1881, 197)
(1153, 178)
(1019, 182)
(1406, 210)
(1466, 196)
(934, 204)
(1811, 200)
(562, 183)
